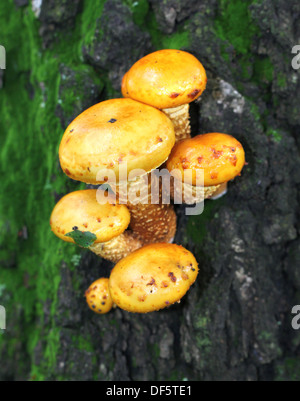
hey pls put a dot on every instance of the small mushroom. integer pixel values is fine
(220, 157)
(169, 80)
(153, 277)
(102, 225)
(98, 297)
(140, 139)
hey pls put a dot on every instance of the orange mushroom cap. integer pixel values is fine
(152, 277)
(113, 132)
(98, 296)
(81, 210)
(164, 79)
(221, 156)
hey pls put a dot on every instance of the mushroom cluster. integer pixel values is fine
(118, 144)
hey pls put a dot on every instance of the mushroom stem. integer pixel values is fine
(181, 120)
(190, 194)
(221, 191)
(153, 223)
(118, 247)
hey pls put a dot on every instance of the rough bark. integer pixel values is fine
(235, 322)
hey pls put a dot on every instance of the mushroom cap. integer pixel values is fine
(80, 209)
(98, 296)
(113, 132)
(153, 277)
(164, 79)
(221, 156)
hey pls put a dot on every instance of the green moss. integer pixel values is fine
(29, 161)
(274, 134)
(178, 40)
(196, 227)
(139, 10)
(288, 370)
(92, 11)
(234, 24)
(202, 338)
(82, 343)
(281, 80)
(263, 70)
(255, 111)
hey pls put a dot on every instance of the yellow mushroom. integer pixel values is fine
(220, 157)
(121, 133)
(153, 277)
(80, 213)
(169, 80)
(98, 296)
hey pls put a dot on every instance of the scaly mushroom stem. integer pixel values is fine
(181, 120)
(118, 247)
(151, 222)
(190, 194)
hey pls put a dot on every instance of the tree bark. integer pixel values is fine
(235, 322)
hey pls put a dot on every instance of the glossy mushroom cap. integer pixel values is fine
(80, 209)
(164, 79)
(113, 132)
(152, 277)
(221, 156)
(98, 296)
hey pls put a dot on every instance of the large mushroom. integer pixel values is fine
(211, 159)
(119, 142)
(152, 278)
(169, 80)
(79, 218)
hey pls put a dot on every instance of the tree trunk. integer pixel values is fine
(235, 322)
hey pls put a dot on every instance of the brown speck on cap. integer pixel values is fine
(71, 130)
(233, 160)
(184, 276)
(174, 95)
(216, 154)
(213, 176)
(112, 120)
(194, 93)
(172, 277)
(152, 281)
